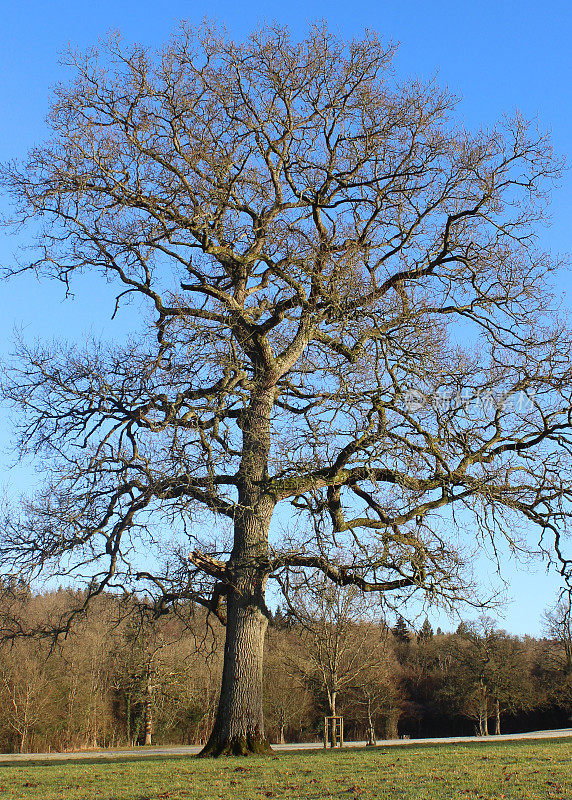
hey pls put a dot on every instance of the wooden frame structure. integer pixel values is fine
(334, 731)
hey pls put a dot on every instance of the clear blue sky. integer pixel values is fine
(498, 55)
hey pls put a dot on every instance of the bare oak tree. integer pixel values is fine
(349, 315)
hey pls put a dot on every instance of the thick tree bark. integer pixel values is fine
(239, 723)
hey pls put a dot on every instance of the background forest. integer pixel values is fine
(120, 678)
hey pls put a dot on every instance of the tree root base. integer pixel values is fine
(237, 746)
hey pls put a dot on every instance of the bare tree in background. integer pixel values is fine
(375, 696)
(336, 628)
(23, 683)
(287, 697)
(348, 315)
(558, 625)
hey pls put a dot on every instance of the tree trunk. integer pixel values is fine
(148, 708)
(239, 723)
(497, 718)
(483, 711)
(333, 698)
(128, 716)
(370, 728)
(486, 723)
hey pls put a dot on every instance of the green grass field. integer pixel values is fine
(505, 771)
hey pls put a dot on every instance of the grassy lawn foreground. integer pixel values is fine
(539, 770)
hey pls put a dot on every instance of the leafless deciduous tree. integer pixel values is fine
(288, 700)
(348, 314)
(338, 632)
(558, 625)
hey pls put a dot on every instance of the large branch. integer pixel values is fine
(283, 488)
(341, 575)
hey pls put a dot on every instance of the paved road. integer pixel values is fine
(145, 752)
